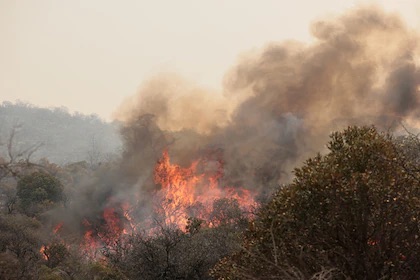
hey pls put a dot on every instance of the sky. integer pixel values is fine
(90, 55)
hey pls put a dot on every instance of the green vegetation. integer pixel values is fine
(350, 214)
(38, 188)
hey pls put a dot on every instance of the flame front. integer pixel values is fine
(177, 191)
(183, 190)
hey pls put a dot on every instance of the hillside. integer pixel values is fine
(63, 137)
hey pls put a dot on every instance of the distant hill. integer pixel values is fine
(64, 137)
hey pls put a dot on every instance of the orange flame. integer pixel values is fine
(90, 244)
(113, 227)
(55, 230)
(185, 192)
(182, 188)
(126, 212)
(177, 189)
(42, 251)
(58, 227)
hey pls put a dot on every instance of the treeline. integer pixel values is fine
(351, 213)
(62, 137)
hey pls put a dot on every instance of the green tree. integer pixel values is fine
(38, 188)
(352, 213)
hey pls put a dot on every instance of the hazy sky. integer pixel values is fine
(88, 55)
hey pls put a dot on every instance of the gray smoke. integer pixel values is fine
(277, 108)
(280, 105)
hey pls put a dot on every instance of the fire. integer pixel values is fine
(177, 191)
(58, 227)
(113, 223)
(42, 251)
(105, 235)
(184, 192)
(43, 248)
(183, 188)
(90, 244)
(126, 207)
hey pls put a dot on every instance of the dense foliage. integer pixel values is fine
(38, 188)
(352, 213)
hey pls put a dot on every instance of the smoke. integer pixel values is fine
(278, 107)
(176, 105)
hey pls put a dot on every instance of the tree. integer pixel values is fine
(20, 242)
(94, 154)
(167, 252)
(15, 162)
(55, 254)
(226, 212)
(353, 212)
(38, 187)
(173, 254)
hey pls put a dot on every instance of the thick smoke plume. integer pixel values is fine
(277, 108)
(280, 105)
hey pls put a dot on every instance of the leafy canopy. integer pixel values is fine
(39, 187)
(353, 212)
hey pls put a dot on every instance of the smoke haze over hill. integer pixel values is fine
(59, 136)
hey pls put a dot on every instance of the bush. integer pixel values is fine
(354, 212)
(38, 188)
